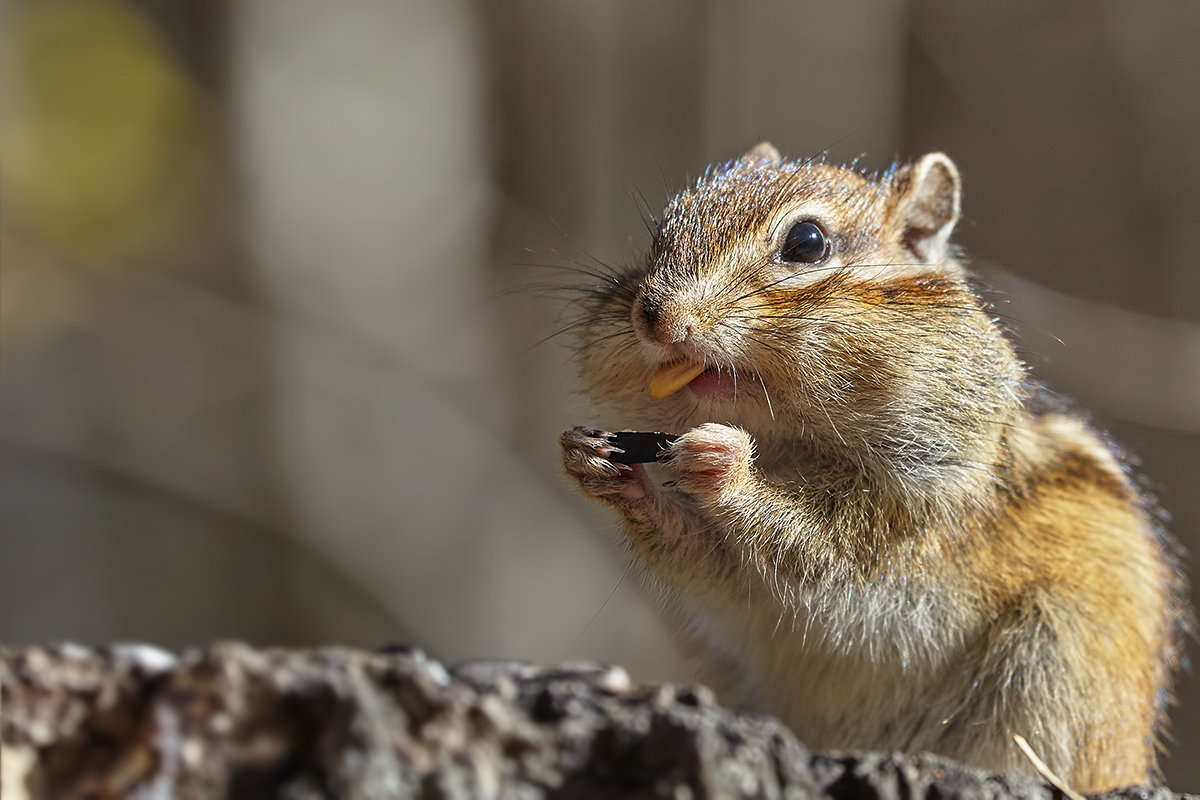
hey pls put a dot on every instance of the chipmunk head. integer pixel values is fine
(806, 301)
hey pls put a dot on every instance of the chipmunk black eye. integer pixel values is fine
(805, 244)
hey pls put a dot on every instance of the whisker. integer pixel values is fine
(612, 593)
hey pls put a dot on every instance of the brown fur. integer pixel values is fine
(880, 536)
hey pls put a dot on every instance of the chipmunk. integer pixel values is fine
(876, 524)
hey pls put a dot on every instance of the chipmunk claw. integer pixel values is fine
(586, 458)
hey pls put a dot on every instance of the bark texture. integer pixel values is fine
(234, 721)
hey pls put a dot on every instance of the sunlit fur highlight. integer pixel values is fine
(886, 537)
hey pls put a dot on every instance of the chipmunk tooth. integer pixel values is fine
(672, 377)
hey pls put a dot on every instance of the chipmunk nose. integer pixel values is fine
(661, 321)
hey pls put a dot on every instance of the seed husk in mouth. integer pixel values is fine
(672, 377)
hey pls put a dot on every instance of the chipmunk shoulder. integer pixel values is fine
(869, 522)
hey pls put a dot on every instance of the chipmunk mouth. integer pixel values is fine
(703, 380)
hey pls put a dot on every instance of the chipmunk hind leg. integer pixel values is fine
(1027, 676)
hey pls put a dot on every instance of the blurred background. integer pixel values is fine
(271, 319)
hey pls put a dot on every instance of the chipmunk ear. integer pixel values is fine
(927, 205)
(763, 153)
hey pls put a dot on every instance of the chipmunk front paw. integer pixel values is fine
(713, 462)
(586, 456)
